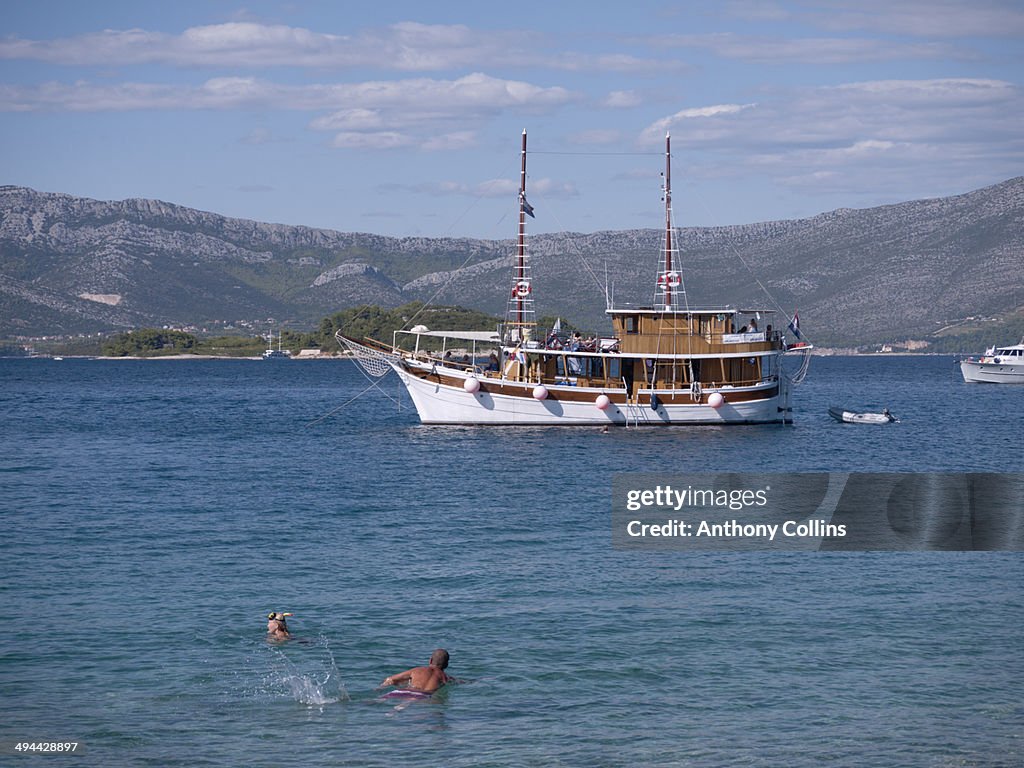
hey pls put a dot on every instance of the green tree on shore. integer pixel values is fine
(149, 341)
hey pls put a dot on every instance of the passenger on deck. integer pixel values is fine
(752, 328)
(577, 340)
(423, 679)
(552, 341)
(492, 362)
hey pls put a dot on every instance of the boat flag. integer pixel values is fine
(794, 325)
(527, 208)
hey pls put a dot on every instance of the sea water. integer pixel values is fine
(153, 512)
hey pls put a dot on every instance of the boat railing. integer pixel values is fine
(685, 386)
(552, 341)
(705, 343)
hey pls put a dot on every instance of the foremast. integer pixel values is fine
(670, 280)
(520, 317)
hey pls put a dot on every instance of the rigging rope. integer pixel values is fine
(350, 400)
(592, 154)
(801, 374)
(753, 274)
(579, 253)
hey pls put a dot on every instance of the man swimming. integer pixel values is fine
(277, 627)
(423, 680)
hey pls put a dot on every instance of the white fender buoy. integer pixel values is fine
(715, 400)
(603, 402)
(471, 385)
(540, 392)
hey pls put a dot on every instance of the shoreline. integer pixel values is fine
(176, 357)
(824, 352)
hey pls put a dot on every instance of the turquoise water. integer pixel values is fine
(153, 512)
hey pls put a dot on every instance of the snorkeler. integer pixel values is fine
(277, 627)
(424, 680)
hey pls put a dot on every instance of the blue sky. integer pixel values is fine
(404, 118)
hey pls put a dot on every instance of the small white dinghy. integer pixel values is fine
(851, 417)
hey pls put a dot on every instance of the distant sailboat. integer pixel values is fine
(276, 354)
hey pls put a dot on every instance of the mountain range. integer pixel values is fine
(72, 265)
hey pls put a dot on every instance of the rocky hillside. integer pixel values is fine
(74, 265)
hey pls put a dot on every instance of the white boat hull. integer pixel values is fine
(440, 403)
(992, 373)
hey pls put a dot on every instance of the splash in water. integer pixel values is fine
(310, 678)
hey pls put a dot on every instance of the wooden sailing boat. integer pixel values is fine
(276, 354)
(666, 363)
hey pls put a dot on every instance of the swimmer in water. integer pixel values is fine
(277, 627)
(424, 680)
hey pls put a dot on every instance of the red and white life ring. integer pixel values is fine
(522, 289)
(670, 280)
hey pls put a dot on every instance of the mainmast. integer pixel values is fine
(669, 278)
(521, 301)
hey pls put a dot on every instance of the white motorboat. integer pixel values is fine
(999, 365)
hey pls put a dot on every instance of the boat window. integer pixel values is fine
(578, 366)
(614, 368)
(632, 323)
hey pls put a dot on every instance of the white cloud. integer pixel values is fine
(949, 19)
(922, 18)
(429, 113)
(936, 92)
(424, 106)
(622, 99)
(657, 130)
(611, 62)
(377, 140)
(353, 119)
(810, 50)
(456, 140)
(824, 135)
(549, 188)
(406, 46)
